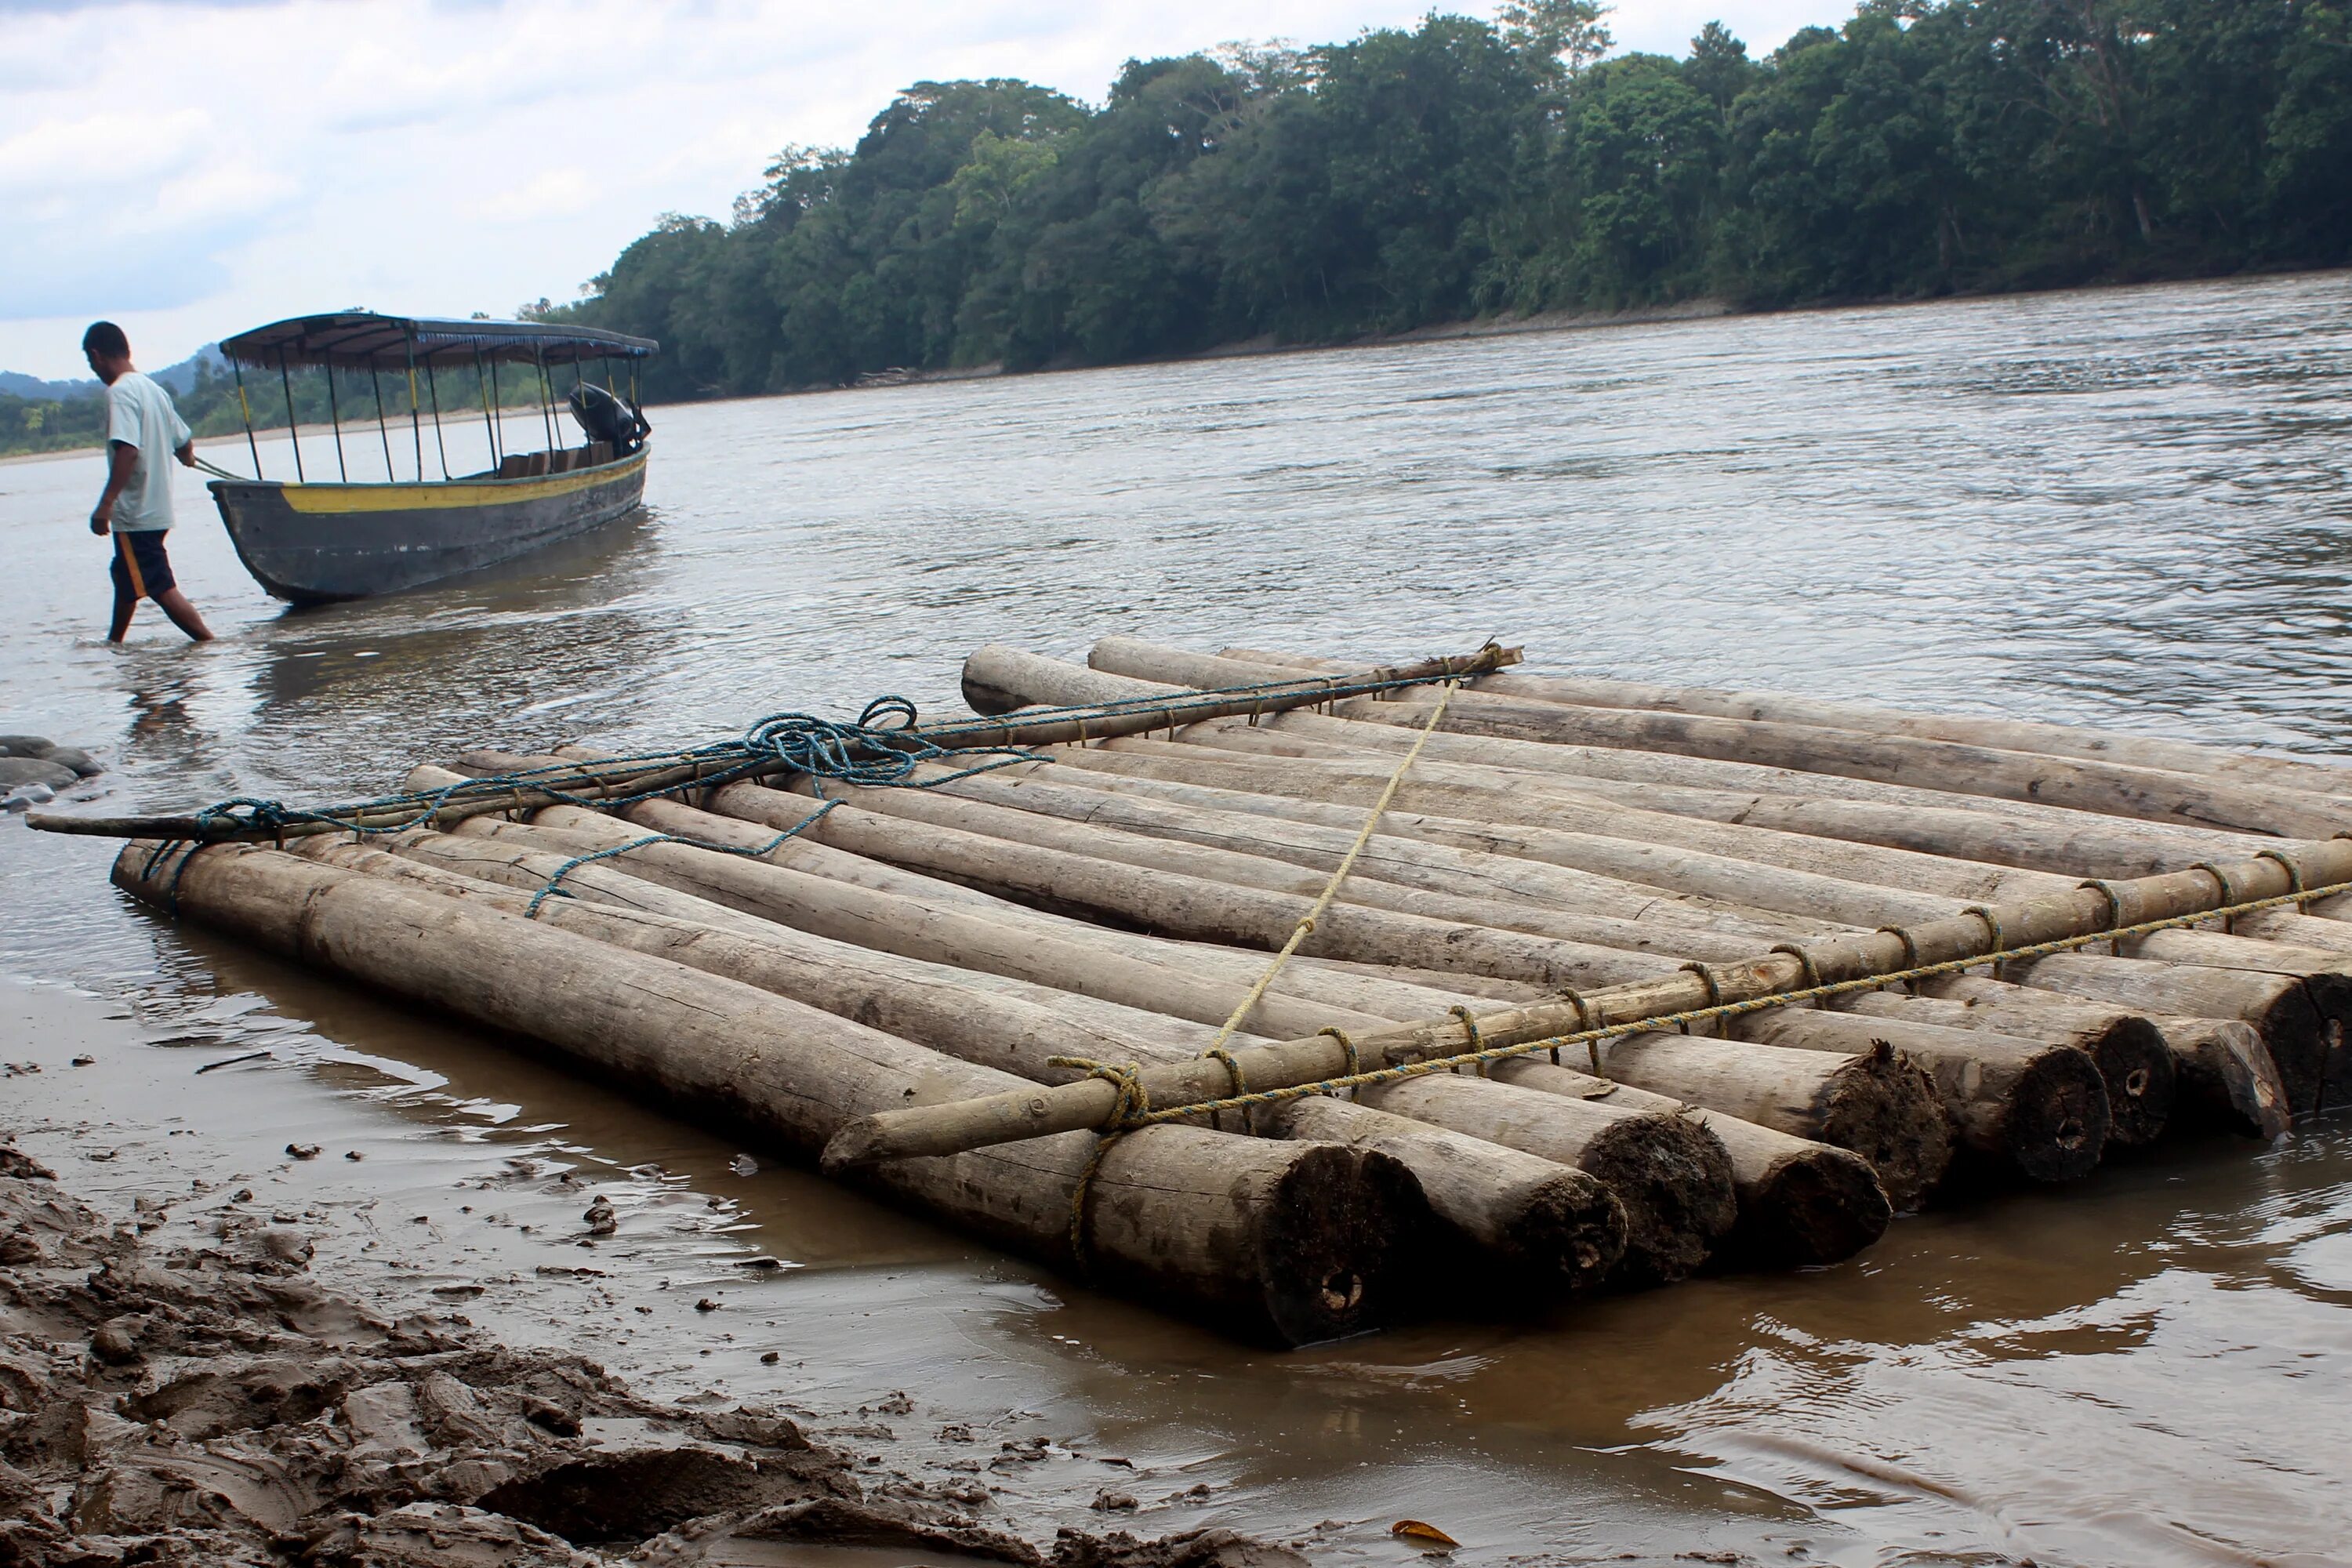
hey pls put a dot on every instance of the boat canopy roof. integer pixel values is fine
(361, 338)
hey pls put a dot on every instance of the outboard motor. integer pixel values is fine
(606, 416)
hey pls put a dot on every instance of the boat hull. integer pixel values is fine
(313, 544)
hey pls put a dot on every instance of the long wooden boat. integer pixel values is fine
(312, 541)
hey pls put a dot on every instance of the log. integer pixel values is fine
(1289, 1242)
(1671, 1174)
(2136, 1063)
(1800, 1202)
(2222, 1073)
(2326, 978)
(2111, 788)
(1877, 1105)
(1529, 1227)
(2017, 1106)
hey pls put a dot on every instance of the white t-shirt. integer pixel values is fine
(139, 414)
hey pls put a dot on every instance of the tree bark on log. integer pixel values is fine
(1878, 1105)
(1672, 1175)
(1534, 1229)
(1292, 1242)
(1800, 1202)
(2135, 1061)
(2112, 788)
(2018, 1106)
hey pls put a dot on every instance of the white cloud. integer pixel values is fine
(231, 164)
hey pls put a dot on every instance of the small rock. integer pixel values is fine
(706, 1305)
(84, 1061)
(353, 1154)
(771, 1358)
(15, 771)
(602, 1220)
(112, 1345)
(72, 757)
(744, 1165)
(304, 1150)
(242, 1196)
(26, 797)
(26, 745)
(1108, 1500)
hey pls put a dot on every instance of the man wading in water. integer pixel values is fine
(141, 426)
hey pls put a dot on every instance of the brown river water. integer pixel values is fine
(2130, 507)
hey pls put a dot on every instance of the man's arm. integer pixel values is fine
(187, 453)
(122, 458)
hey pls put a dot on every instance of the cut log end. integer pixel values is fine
(1818, 1206)
(2057, 1119)
(1577, 1228)
(1885, 1108)
(2142, 1080)
(1342, 1241)
(1675, 1181)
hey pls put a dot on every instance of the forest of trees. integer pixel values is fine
(1469, 168)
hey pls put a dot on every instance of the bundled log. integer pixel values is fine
(2112, 788)
(2039, 1110)
(1672, 1175)
(2281, 1009)
(2135, 1061)
(1800, 1201)
(1292, 1242)
(2224, 1075)
(1529, 1227)
(1878, 1105)
(1015, 1025)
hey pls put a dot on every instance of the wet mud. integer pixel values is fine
(209, 1401)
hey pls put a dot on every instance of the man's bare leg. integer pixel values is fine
(175, 603)
(124, 605)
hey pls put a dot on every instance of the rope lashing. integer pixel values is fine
(1323, 901)
(1721, 1010)
(1354, 1059)
(1992, 927)
(1584, 1022)
(1470, 1031)
(1805, 964)
(2220, 881)
(1910, 949)
(2115, 910)
(1714, 987)
(2287, 863)
(1131, 1109)
(1233, 1071)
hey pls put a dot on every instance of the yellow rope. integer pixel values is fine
(1331, 889)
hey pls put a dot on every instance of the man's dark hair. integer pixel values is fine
(106, 338)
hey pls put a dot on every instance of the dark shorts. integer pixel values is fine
(141, 569)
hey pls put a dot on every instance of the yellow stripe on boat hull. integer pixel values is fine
(322, 499)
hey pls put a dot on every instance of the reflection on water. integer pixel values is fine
(2131, 506)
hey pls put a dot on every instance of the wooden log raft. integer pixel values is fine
(1800, 1201)
(2018, 1106)
(1292, 1242)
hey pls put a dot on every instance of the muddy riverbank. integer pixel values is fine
(178, 1384)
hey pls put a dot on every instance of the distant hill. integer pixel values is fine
(181, 378)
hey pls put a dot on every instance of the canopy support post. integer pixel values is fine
(546, 397)
(293, 423)
(487, 381)
(381, 430)
(417, 425)
(440, 441)
(335, 419)
(245, 409)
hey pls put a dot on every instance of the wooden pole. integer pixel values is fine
(1290, 1242)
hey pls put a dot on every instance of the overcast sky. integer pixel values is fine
(190, 170)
